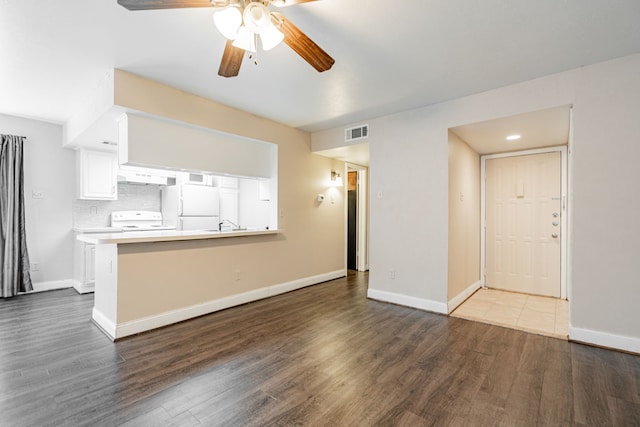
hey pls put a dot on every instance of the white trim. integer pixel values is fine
(363, 233)
(564, 247)
(362, 224)
(51, 285)
(408, 301)
(462, 296)
(483, 223)
(304, 282)
(163, 319)
(605, 339)
(103, 322)
(84, 288)
(567, 224)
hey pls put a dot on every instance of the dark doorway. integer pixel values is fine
(352, 242)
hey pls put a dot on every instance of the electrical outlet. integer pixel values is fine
(392, 274)
(37, 194)
(35, 266)
(236, 275)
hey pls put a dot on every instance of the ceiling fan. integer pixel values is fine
(243, 23)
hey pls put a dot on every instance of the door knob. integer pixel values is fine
(555, 224)
(555, 214)
(554, 235)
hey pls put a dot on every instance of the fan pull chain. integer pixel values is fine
(254, 56)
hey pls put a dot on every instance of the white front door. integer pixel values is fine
(523, 223)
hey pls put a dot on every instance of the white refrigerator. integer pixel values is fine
(191, 207)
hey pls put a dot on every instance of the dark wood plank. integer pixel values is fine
(322, 355)
(556, 400)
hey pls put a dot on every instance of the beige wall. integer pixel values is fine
(464, 216)
(312, 238)
(409, 165)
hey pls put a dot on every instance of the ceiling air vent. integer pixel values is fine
(358, 132)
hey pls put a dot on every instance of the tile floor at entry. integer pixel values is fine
(530, 313)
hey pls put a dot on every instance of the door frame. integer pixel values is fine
(362, 223)
(564, 228)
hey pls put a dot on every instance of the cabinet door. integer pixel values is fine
(89, 263)
(98, 175)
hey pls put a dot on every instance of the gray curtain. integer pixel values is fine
(14, 259)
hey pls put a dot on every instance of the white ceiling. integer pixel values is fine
(390, 56)
(544, 128)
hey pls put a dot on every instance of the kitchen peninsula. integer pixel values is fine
(148, 281)
(145, 280)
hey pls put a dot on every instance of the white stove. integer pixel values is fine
(138, 221)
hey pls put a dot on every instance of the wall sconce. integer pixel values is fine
(336, 179)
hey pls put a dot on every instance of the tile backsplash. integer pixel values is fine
(131, 197)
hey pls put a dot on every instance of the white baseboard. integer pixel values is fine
(604, 339)
(83, 288)
(174, 316)
(408, 301)
(307, 281)
(462, 296)
(51, 285)
(103, 322)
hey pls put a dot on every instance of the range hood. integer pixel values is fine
(143, 177)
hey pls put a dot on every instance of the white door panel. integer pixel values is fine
(522, 194)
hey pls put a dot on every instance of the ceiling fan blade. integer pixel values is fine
(303, 45)
(162, 4)
(231, 60)
(284, 3)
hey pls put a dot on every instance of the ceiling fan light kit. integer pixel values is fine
(271, 37)
(242, 23)
(256, 17)
(228, 21)
(244, 27)
(245, 40)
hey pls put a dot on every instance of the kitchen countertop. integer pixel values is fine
(167, 236)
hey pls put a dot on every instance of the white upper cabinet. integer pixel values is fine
(97, 175)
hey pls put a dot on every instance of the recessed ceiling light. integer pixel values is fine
(513, 137)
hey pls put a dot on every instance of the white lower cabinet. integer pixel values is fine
(84, 266)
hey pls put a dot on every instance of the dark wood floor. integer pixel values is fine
(323, 355)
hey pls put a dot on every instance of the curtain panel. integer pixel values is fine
(14, 259)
